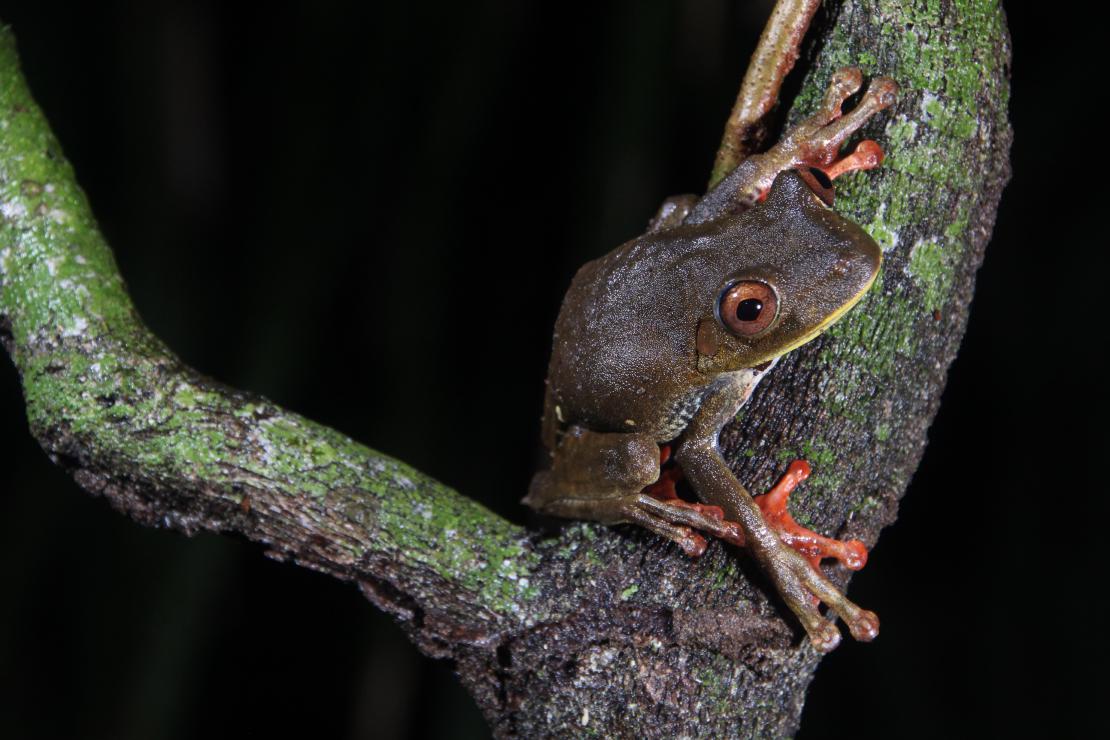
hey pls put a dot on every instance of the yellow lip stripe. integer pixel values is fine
(832, 318)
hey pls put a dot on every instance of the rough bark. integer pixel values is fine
(606, 631)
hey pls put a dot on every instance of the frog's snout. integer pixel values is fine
(859, 264)
(853, 270)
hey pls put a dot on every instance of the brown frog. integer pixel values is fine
(660, 342)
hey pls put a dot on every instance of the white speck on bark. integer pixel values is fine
(13, 209)
(77, 329)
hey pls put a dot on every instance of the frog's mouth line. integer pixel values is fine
(831, 318)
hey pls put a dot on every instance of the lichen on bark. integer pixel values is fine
(606, 631)
(172, 448)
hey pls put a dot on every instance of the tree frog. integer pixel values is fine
(660, 342)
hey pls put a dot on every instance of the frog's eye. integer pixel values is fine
(748, 307)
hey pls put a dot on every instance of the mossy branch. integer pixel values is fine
(603, 630)
(172, 448)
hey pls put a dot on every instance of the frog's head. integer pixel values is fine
(796, 267)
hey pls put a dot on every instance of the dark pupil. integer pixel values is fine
(749, 309)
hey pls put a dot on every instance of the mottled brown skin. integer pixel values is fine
(624, 348)
(642, 355)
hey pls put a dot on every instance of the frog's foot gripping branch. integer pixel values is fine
(852, 554)
(816, 141)
(810, 546)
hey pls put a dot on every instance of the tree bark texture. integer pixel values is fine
(599, 631)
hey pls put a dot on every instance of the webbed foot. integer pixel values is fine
(812, 548)
(816, 141)
(807, 549)
(851, 553)
(773, 504)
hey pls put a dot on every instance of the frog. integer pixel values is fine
(660, 343)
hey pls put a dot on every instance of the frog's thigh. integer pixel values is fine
(601, 476)
(592, 465)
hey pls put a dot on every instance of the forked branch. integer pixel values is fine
(604, 630)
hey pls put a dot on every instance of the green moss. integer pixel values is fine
(458, 539)
(418, 520)
(725, 574)
(185, 397)
(91, 368)
(629, 592)
(718, 685)
(942, 76)
(818, 454)
(59, 275)
(931, 267)
(883, 234)
(921, 190)
(825, 481)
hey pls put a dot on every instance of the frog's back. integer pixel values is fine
(624, 341)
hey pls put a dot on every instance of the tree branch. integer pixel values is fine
(172, 448)
(607, 630)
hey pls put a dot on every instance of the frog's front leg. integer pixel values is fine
(812, 144)
(796, 580)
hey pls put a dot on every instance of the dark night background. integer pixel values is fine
(369, 214)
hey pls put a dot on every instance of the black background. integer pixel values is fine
(369, 214)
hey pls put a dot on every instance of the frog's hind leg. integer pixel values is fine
(632, 510)
(603, 475)
(669, 519)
